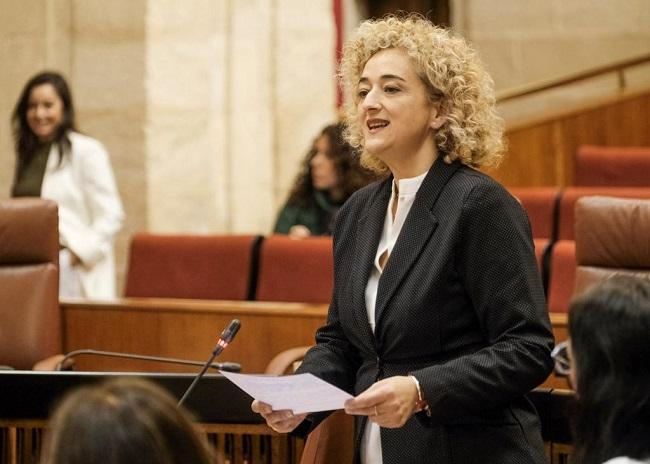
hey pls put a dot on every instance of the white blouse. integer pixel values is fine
(405, 192)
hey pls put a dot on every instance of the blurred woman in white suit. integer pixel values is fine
(54, 161)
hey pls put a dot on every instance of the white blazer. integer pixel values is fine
(90, 210)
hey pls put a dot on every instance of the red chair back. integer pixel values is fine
(611, 238)
(612, 166)
(541, 205)
(295, 270)
(216, 267)
(30, 322)
(570, 195)
(562, 273)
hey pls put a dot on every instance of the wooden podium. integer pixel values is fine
(222, 411)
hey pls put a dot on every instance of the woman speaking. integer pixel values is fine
(437, 323)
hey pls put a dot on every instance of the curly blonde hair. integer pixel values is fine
(455, 79)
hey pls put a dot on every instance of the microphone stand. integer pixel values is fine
(226, 337)
(225, 366)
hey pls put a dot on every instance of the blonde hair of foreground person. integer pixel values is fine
(122, 421)
(455, 80)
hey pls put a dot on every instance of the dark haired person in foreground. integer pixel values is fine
(609, 354)
(122, 421)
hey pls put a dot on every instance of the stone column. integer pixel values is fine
(35, 35)
(108, 76)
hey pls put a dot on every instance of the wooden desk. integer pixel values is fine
(189, 329)
(186, 329)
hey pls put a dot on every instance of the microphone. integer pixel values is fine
(66, 360)
(224, 340)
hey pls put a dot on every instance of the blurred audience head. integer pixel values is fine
(44, 113)
(122, 421)
(609, 329)
(331, 166)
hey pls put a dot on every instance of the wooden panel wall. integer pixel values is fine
(541, 152)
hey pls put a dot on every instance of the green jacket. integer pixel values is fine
(317, 215)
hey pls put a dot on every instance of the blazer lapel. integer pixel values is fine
(369, 228)
(418, 227)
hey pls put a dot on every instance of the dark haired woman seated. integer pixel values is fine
(330, 173)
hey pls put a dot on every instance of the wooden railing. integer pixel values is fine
(21, 441)
(618, 68)
(542, 145)
(221, 411)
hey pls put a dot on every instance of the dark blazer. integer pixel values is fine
(460, 306)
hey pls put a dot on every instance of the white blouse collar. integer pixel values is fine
(409, 186)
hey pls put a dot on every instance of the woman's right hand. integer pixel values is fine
(283, 421)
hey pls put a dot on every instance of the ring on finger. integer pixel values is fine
(376, 411)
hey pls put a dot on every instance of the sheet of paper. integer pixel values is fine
(300, 393)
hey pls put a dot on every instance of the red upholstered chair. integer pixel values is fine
(612, 237)
(563, 261)
(191, 266)
(541, 249)
(541, 205)
(561, 276)
(612, 166)
(332, 441)
(30, 322)
(295, 270)
(570, 195)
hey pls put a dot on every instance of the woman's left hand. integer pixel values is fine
(388, 403)
(74, 259)
(299, 231)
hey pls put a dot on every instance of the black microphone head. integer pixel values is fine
(229, 332)
(230, 366)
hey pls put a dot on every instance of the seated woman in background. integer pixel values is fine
(609, 329)
(330, 173)
(122, 421)
(54, 161)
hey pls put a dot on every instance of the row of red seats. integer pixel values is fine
(599, 170)
(230, 267)
(599, 166)
(278, 268)
(552, 214)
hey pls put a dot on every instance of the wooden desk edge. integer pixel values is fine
(223, 307)
(307, 310)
